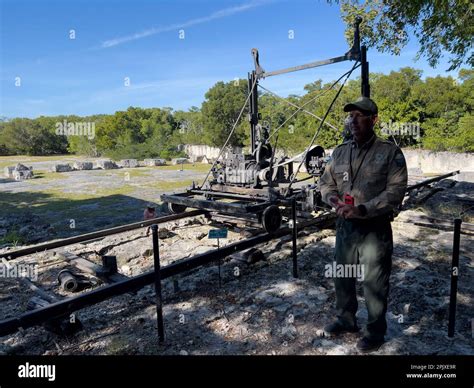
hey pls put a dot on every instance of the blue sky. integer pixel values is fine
(139, 40)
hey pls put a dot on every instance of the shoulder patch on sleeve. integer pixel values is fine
(400, 159)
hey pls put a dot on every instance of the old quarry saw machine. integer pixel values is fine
(260, 188)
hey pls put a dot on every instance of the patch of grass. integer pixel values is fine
(5, 164)
(13, 237)
(45, 174)
(168, 186)
(13, 160)
(137, 172)
(199, 167)
(131, 172)
(56, 200)
(57, 203)
(98, 193)
(28, 158)
(117, 345)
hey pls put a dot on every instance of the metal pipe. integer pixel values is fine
(454, 277)
(364, 73)
(68, 281)
(93, 235)
(431, 180)
(253, 109)
(69, 305)
(157, 270)
(295, 235)
(306, 66)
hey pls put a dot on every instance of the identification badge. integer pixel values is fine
(348, 199)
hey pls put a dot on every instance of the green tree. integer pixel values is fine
(33, 137)
(221, 109)
(393, 94)
(189, 126)
(83, 145)
(439, 25)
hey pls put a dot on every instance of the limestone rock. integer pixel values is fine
(106, 164)
(177, 161)
(154, 162)
(65, 167)
(128, 163)
(83, 165)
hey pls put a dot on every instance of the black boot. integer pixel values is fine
(338, 327)
(367, 344)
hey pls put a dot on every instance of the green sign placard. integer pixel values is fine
(218, 233)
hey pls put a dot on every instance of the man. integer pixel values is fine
(148, 214)
(365, 182)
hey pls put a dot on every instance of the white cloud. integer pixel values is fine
(156, 30)
(163, 89)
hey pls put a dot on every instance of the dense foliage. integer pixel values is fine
(439, 108)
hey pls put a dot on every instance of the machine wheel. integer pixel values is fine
(271, 219)
(175, 208)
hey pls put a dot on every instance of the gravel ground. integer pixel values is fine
(43, 208)
(260, 308)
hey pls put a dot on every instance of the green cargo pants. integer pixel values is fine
(368, 243)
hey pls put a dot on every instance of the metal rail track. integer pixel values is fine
(94, 235)
(67, 306)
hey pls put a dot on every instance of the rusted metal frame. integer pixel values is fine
(228, 195)
(228, 207)
(239, 190)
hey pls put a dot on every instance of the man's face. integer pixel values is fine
(361, 124)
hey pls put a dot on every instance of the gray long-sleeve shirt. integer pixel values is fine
(380, 183)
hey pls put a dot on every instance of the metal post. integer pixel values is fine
(159, 300)
(454, 277)
(364, 69)
(295, 233)
(253, 109)
(219, 264)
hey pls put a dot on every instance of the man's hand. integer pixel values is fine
(335, 201)
(348, 211)
(344, 210)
